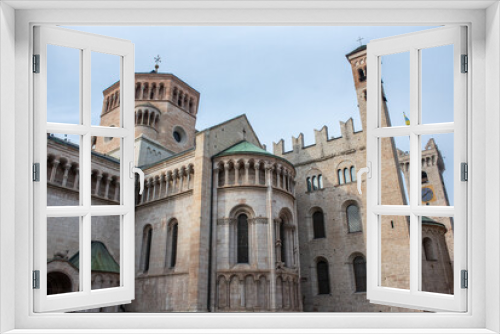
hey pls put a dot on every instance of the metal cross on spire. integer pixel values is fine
(157, 62)
(360, 40)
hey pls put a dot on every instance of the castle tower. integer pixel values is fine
(165, 117)
(357, 59)
(395, 253)
(433, 188)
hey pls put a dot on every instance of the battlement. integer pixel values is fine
(349, 140)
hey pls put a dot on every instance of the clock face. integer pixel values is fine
(427, 194)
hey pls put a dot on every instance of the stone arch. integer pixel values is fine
(242, 208)
(59, 282)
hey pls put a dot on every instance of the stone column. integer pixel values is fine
(53, 171)
(242, 293)
(154, 181)
(190, 169)
(117, 191)
(141, 91)
(162, 177)
(106, 189)
(167, 182)
(66, 167)
(278, 176)
(226, 173)
(148, 190)
(77, 178)
(283, 179)
(247, 167)
(213, 273)
(175, 175)
(157, 93)
(256, 166)
(182, 174)
(277, 242)
(271, 249)
(97, 183)
(236, 173)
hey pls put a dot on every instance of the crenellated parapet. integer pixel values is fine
(349, 142)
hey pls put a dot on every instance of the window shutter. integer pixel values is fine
(409, 219)
(79, 220)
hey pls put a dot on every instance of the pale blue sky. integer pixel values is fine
(287, 80)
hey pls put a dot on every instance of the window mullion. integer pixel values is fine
(414, 169)
(85, 172)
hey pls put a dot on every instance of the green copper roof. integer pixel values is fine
(244, 147)
(100, 258)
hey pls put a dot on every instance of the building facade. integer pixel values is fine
(225, 226)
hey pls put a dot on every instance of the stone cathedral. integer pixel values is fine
(223, 225)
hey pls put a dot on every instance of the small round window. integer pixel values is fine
(177, 136)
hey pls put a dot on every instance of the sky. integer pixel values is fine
(287, 79)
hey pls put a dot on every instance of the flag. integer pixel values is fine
(407, 120)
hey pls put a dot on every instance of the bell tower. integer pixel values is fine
(165, 116)
(357, 59)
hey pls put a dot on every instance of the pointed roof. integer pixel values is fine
(100, 257)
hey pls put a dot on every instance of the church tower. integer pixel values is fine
(395, 252)
(165, 117)
(357, 59)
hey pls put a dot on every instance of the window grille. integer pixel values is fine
(354, 219)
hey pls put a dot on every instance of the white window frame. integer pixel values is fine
(86, 43)
(15, 50)
(413, 44)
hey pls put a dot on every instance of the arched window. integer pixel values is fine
(315, 183)
(318, 225)
(341, 178)
(347, 177)
(353, 174)
(320, 181)
(147, 237)
(323, 277)
(283, 242)
(173, 249)
(359, 264)
(309, 185)
(354, 218)
(361, 74)
(430, 255)
(424, 177)
(242, 239)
